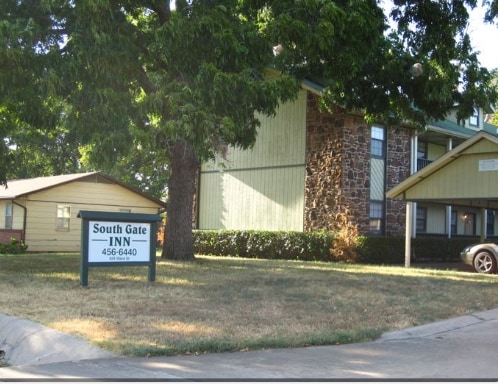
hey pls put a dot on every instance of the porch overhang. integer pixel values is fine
(465, 176)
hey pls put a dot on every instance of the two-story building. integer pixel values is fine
(309, 169)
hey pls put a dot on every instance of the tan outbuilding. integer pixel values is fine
(42, 212)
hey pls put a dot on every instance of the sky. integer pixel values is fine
(484, 38)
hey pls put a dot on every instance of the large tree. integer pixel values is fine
(159, 86)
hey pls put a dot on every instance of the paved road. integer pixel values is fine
(461, 348)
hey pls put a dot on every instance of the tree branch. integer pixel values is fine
(145, 82)
(162, 9)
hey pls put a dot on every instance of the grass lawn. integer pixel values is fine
(230, 304)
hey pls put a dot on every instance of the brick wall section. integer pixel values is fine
(7, 234)
(338, 170)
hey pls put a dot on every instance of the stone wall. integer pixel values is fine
(398, 149)
(338, 170)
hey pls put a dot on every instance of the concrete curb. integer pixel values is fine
(28, 343)
(439, 327)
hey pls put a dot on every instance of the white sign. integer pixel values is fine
(116, 242)
(488, 165)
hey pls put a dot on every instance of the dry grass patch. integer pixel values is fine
(226, 304)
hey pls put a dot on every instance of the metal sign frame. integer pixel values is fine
(110, 239)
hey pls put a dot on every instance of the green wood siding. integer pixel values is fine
(458, 180)
(263, 187)
(436, 219)
(266, 199)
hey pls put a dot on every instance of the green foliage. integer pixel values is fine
(440, 248)
(381, 250)
(433, 34)
(327, 246)
(391, 250)
(130, 87)
(41, 152)
(13, 247)
(492, 12)
(494, 116)
(309, 246)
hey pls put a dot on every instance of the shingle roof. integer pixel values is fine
(490, 128)
(453, 127)
(24, 187)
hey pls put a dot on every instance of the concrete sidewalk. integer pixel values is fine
(465, 347)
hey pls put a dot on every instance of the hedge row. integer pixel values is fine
(440, 248)
(316, 246)
(309, 246)
(391, 250)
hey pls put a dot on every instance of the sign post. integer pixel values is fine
(110, 239)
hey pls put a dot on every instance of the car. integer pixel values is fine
(481, 256)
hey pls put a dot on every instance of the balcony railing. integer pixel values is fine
(421, 163)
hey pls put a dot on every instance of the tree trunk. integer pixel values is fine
(178, 237)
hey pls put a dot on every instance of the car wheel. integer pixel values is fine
(485, 262)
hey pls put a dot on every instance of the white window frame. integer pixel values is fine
(9, 213)
(474, 118)
(63, 217)
(378, 141)
(376, 217)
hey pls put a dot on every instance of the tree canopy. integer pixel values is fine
(151, 88)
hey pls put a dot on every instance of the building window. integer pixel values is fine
(376, 217)
(490, 223)
(422, 150)
(63, 217)
(8, 216)
(474, 118)
(378, 139)
(377, 179)
(422, 155)
(454, 217)
(421, 219)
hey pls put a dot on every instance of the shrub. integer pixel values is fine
(13, 247)
(345, 243)
(391, 250)
(439, 248)
(286, 245)
(381, 250)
